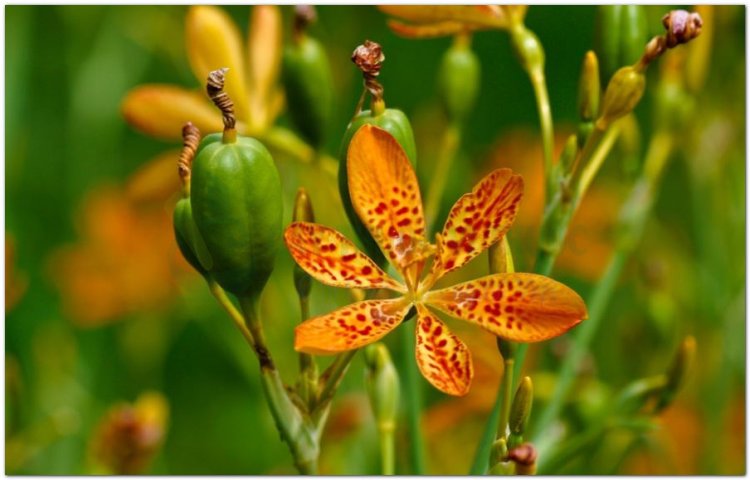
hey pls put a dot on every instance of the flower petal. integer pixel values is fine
(429, 30)
(350, 327)
(478, 220)
(442, 357)
(486, 15)
(523, 307)
(331, 259)
(162, 110)
(385, 195)
(264, 60)
(213, 41)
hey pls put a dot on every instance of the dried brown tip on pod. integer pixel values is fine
(682, 26)
(304, 16)
(215, 90)
(524, 456)
(191, 137)
(369, 58)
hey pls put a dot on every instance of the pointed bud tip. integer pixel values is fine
(303, 210)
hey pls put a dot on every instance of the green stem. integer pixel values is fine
(479, 465)
(539, 83)
(507, 396)
(387, 450)
(449, 145)
(308, 369)
(234, 314)
(302, 437)
(332, 377)
(413, 395)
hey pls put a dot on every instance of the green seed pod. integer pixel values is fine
(621, 34)
(189, 239)
(382, 385)
(394, 122)
(623, 93)
(236, 203)
(458, 80)
(306, 75)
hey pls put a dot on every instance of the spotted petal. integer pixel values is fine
(385, 195)
(442, 357)
(330, 258)
(478, 220)
(213, 41)
(350, 327)
(523, 307)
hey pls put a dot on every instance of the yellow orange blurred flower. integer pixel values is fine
(126, 260)
(427, 21)
(214, 41)
(128, 436)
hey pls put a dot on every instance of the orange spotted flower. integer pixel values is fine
(522, 307)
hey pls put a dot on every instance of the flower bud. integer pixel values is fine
(458, 80)
(623, 93)
(520, 411)
(382, 385)
(589, 89)
(679, 369)
(303, 212)
(570, 150)
(498, 453)
(524, 456)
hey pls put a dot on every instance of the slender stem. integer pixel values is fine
(234, 314)
(539, 83)
(597, 159)
(413, 395)
(449, 145)
(479, 465)
(332, 377)
(507, 396)
(387, 450)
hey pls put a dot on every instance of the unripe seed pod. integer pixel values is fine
(394, 122)
(458, 80)
(623, 93)
(306, 75)
(621, 33)
(236, 203)
(189, 239)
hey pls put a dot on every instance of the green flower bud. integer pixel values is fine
(394, 122)
(498, 452)
(570, 150)
(520, 411)
(623, 93)
(306, 75)
(528, 49)
(236, 203)
(501, 258)
(458, 80)
(621, 33)
(382, 384)
(589, 89)
(681, 365)
(303, 212)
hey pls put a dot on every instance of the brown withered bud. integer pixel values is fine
(304, 16)
(215, 91)
(682, 26)
(191, 137)
(524, 456)
(369, 58)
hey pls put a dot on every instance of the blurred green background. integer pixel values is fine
(100, 308)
